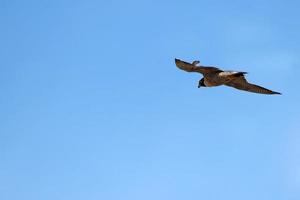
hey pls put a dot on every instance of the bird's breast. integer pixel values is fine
(208, 83)
(211, 81)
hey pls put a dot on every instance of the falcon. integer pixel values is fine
(213, 76)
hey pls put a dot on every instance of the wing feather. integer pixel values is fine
(242, 84)
(193, 68)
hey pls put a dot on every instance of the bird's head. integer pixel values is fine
(201, 83)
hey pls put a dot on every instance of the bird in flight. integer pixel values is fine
(213, 76)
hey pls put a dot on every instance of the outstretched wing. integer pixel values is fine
(193, 68)
(242, 84)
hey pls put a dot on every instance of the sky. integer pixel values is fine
(93, 106)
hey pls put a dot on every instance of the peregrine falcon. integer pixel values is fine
(213, 76)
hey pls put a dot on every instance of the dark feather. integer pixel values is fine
(192, 68)
(242, 84)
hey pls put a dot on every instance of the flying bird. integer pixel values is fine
(213, 76)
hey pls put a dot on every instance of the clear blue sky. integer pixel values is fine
(93, 107)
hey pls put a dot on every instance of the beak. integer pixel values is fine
(199, 84)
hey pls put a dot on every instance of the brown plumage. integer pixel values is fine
(194, 68)
(213, 76)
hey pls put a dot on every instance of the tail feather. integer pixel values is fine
(238, 74)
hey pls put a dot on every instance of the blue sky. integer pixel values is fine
(93, 107)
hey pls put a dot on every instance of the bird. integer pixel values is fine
(213, 76)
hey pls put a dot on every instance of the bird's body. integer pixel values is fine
(213, 76)
(212, 80)
(221, 78)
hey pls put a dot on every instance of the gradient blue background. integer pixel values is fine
(93, 107)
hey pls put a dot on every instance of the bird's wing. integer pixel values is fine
(242, 84)
(193, 68)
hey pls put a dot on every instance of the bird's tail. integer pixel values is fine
(238, 74)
